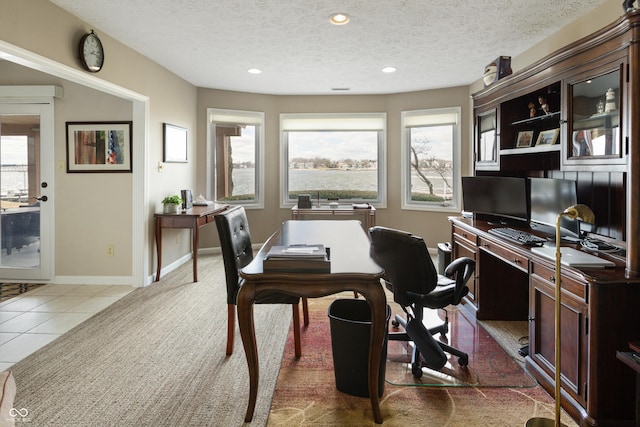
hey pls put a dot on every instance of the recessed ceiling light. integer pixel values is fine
(389, 69)
(339, 18)
(254, 71)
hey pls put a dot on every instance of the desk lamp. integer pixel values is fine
(583, 213)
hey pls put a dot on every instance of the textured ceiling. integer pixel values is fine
(433, 43)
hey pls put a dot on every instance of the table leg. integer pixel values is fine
(158, 248)
(244, 302)
(378, 302)
(196, 238)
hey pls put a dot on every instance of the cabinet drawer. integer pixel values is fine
(182, 222)
(548, 275)
(513, 258)
(463, 234)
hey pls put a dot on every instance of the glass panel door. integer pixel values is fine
(487, 141)
(595, 118)
(24, 236)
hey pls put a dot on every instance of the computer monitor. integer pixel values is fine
(548, 198)
(502, 199)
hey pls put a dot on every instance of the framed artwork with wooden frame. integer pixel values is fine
(99, 146)
(548, 137)
(175, 143)
(524, 139)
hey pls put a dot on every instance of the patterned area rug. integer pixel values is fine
(495, 391)
(10, 290)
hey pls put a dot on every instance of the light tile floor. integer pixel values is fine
(35, 318)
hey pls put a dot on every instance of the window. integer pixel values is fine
(431, 159)
(333, 156)
(237, 160)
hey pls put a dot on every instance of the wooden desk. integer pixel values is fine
(193, 218)
(352, 269)
(367, 215)
(599, 315)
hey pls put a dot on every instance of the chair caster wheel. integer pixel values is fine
(416, 370)
(395, 323)
(463, 361)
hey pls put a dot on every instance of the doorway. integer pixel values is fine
(26, 150)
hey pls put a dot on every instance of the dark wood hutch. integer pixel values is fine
(592, 92)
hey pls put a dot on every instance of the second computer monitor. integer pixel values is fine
(548, 198)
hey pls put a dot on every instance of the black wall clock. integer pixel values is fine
(91, 52)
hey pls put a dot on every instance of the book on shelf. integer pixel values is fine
(297, 259)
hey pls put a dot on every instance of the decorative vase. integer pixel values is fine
(170, 208)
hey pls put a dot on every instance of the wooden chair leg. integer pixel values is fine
(296, 330)
(231, 327)
(305, 311)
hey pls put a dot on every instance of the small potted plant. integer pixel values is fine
(171, 204)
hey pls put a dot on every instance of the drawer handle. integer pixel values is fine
(552, 279)
(486, 245)
(516, 261)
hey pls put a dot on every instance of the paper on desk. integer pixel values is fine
(297, 251)
(301, 249)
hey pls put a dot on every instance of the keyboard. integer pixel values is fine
(520, 237)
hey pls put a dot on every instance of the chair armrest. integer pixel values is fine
(460, 270)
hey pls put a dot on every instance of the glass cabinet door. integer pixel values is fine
(487, 141)
(594, 119)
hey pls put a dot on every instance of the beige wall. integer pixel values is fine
(433, 226)
(40, 27)
(94, 210)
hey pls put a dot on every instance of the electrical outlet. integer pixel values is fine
(61, 165)
(111, 250)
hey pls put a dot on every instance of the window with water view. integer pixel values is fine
(333, 157)
(431, 151)
(237, 140)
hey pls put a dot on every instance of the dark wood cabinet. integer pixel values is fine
(574, 338)
(599, 316)
(588, 130)
(464, 245)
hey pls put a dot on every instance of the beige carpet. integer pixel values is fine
(511, 335)
(154, 358)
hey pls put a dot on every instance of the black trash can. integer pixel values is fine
(350, 322)
(444, 256)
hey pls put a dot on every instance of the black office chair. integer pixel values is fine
(411, 275)
(235, 242)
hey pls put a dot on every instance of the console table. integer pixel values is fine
(599, 316)
(193, 218)
(367, 216)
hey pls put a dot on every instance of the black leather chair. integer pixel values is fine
(235, 242)
(415, 283)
